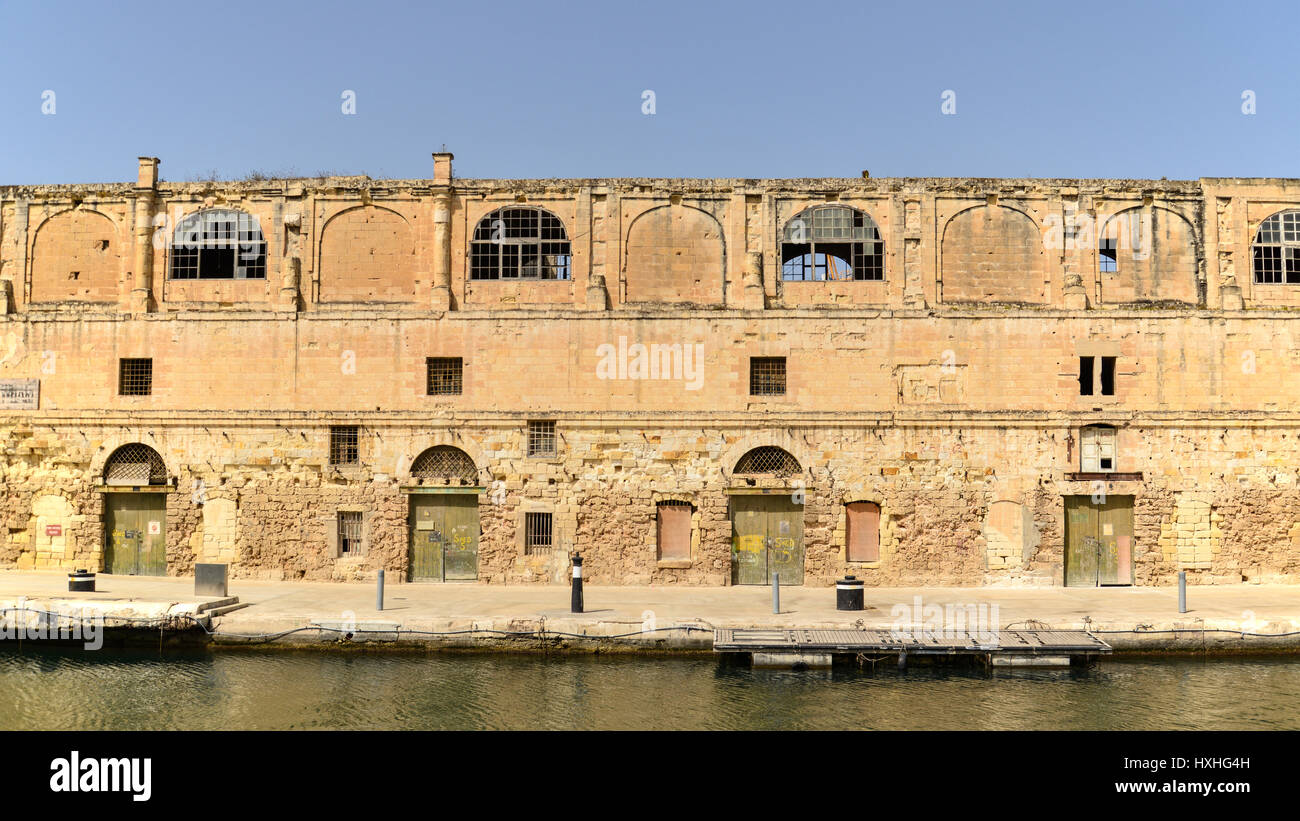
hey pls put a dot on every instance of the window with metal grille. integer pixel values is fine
(1109, 251)
(1276, 252)
(344, 445)
(1097, 449)
(832, 242)
(767, 375)
(767, 461)
(537, 533)
(135, 377)
(673, 529)
(218, 244)
(541, 438)
(862, 532)
(445, 375)
(350, 542)
(520, 243)
(135, 464)
(445, 462)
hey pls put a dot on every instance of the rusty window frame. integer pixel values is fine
(529, 243)
(445, 375)
(539, 533)
(351, 533)
(767, 376)
(542, 438)
(816, 237)
(193, 243)
(135, 377)
(345, 445)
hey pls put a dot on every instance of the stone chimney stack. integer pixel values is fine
(442, 167)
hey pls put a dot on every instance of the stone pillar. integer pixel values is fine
(1075, 295)
(753, 283)
(442, 249)
(291, 270)
(7, 296)
(597, 293)
(146, 188)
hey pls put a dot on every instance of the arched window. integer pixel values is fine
(767, 461)
(447, 463)
(135, 464)
(832, 242)
(519, 243)
(218, 244)
(1276, 252)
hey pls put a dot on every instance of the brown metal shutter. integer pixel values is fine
(863, 531)
(674, 530)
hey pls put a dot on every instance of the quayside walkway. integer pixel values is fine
(668, 618)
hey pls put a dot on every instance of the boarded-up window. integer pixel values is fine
(674, 530)
(862, 531)
(1097, 449)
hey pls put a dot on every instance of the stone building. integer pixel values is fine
(915, 381)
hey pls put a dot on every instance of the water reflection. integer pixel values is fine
(73, 689)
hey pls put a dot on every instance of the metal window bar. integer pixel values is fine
(1275, 254)
(135, 464)
(520, 243)
(541, 438)
(538, 533)
(767, 376)
(135, 377)
(445, 462)
(832, 243)
(445, 376)
(349, 533)
(767, 461)
(344, 445)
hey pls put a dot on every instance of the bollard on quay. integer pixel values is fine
(1182, 591)
(577, 583)
(379, 594)
(776, 593)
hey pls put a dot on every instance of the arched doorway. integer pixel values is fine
(135, 519)
(444, 526)
(767, 525)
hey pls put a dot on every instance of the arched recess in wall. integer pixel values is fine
(425, 446)
(732, 457)
(992, 253)
(76, 255)
(1147, 254)
(135, 464)
(444, 464)
(367, 253)
(675, 253)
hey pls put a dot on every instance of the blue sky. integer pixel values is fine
(750, 89)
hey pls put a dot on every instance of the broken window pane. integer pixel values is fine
(831, 243)
(520, 243)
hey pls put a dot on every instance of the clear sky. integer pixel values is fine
(548, 89)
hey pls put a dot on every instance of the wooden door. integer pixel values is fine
(444, 537)
(135, 534)
(766, 538)
(1098, 541)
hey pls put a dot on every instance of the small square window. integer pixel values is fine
(541, 438)
(767, 376)
(445, 375)
(1097, 450)
(135, 377)
(537, 533)
(344, 445)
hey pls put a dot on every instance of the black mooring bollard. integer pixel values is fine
(577, 583)
(849, 594)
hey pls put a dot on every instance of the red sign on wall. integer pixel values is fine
(54, 530)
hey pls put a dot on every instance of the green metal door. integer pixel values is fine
(1098, 541)
(766, 538)
(135, 534)
(444, 537)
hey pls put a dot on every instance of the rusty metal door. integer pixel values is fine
(1098, 541)
(444, 537)
(135, 534)
(766, 538)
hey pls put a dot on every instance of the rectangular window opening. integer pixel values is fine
(1085, 375)
(350, 533)
(1108, 376)
(344, 445)
(445, 375)
(767, 376)
(674, 530)
(537, 533)
(862, 531)
(1109, 256)
(135, 377)
(541, 438)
